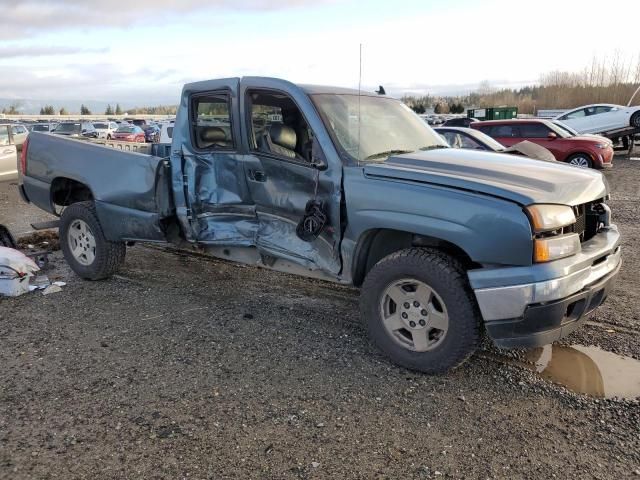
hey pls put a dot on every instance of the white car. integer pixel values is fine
(8, 158)
(166, 131)
(105, 129)
(601, 117)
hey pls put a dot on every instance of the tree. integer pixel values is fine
(41, 110)
(118, 109)
(63, 111)
(84, 110)
(109, 110)
(419, 108)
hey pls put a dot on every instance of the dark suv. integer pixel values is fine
(582, 151)
(76, 129)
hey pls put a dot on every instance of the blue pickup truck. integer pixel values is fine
(353, 188)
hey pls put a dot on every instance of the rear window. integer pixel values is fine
(126, 129)
(40, 128)
(68, 127)
(101, 125)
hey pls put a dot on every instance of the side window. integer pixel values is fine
(577, 114)
(601, 109)
(278, 126)
(470, 143)
(534, 130)
(211, 121)
(4, 135)
(503, 131)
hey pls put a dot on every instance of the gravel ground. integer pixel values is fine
(187, 367)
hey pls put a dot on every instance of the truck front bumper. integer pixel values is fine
(535, 313)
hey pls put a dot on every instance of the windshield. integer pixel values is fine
(40, 128)
(126, 129)
(559, 131)
(101, 125)
(68, 127)
(370, 129)
(486, 139)
(566, 128)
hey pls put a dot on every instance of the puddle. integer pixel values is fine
(588, 370)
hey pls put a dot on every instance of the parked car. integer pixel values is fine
(581, 151)
(129, 133)
(152, 133)
(76, 129)
(602, 117)
(20, 133)
(442, 241)
(42, 127)
(105, 129)
(8, 154)
(468, 138)
(459, 122)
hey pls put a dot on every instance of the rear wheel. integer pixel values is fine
(420, 311)
(580, 160)
(86, 250)
(635, 120)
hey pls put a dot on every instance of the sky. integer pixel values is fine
(141, 52)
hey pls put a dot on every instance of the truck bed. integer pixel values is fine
(131, 190)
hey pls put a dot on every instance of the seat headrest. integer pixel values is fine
(282, 135)
(212, 134)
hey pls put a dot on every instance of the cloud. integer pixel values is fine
(40, 16)
(19, 51)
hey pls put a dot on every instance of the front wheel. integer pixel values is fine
(635, 120)
(580, 160)
(420, 311)
(86, 250)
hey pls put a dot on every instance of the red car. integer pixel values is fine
(129, 133)
(583, 151)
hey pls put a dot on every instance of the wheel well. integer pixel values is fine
(376, 244)
(65, 191)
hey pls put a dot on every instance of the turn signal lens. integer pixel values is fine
(553, 248)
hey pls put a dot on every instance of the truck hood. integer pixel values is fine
(519, 179)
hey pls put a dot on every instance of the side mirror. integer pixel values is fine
(552, 135)
(318, 159)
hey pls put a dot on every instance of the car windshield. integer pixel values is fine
(68, 128)
(101, 125)
(487, 140)
(126, 129)
(566, 128)
(40, 128)
(558, 131)
(370, 129)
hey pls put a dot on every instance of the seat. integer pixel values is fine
(280, 139)
(213, 137)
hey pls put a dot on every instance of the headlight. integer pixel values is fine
(553, 233)
(602, 145)
(545, 218)
(553, 248)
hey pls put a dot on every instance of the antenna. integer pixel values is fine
(359, 93)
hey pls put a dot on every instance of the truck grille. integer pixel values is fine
(588, 219)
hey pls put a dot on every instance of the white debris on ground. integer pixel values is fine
(16, 271)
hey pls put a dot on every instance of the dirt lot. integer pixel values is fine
(184, 367)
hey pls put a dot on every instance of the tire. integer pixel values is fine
(580, 160)
(634, 121)
(91, 256)
(108, 137)
(448, 283)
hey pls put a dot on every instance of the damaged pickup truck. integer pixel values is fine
(352, 188)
